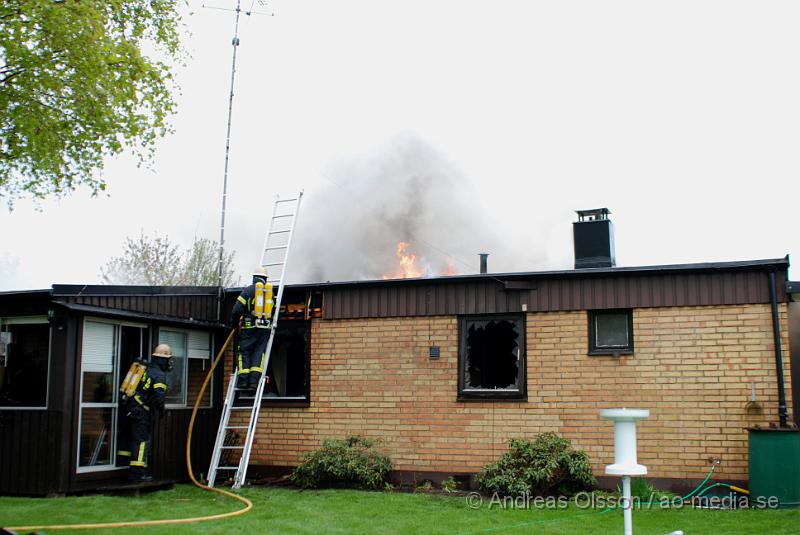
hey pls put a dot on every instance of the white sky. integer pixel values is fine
(682, 117)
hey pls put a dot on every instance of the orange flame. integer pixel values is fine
(450, 269)
(408, 267)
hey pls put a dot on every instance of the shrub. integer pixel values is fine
(351, 462)
(425, 486)
(548, 465)
(450, 485)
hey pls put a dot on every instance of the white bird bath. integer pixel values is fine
(625, 463)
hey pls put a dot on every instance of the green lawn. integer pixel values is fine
(287, 511)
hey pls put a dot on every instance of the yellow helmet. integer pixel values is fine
(163, 350)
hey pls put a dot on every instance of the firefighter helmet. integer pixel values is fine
(163, 350)
(260, 271)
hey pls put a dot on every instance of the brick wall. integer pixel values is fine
(692, 368)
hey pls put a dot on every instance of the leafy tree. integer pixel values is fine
(76, 86)
(155, 261)
(201, 265)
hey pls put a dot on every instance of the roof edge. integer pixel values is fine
(76, 290)
(132, 314)
(774, 264)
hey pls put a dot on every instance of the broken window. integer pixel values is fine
(24, 359)
(610, 332)
(492, 357)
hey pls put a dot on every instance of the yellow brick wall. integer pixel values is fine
(692, 368)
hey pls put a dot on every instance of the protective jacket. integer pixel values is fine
(152, 389)
(252, 342)
(150, 395)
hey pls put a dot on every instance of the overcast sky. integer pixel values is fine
(493, 122)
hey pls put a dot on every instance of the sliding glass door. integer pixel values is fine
(107, 350)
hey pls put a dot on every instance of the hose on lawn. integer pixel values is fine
(248, 503)
(697, 489)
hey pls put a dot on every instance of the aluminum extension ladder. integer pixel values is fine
(274, 257)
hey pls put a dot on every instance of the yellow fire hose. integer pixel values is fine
(248, 503)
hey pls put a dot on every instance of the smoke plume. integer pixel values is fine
(350, 228)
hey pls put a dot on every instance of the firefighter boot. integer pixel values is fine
(138, 474)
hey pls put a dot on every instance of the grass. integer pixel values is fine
(287, 511)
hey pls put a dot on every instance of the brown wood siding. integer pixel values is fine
(486, 296)
(198, 307)
(168, 456)
(29, 452)
(168, 450)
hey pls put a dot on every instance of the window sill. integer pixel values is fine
(610, 353)
(492, 396)
(291, 403)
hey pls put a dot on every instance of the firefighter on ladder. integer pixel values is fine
(252, 314)
(148, 396)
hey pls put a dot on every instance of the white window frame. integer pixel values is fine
(114, 404)
(209, 359)
(33, 320)
(185, 332)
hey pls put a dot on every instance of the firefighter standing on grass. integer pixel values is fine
(148, 397)
(252, 313)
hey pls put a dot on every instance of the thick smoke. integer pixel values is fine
(350, 228)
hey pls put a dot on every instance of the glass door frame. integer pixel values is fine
(114, 404)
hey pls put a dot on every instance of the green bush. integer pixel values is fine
(352, 462)
(547, 466)
(450, 485)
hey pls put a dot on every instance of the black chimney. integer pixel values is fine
(484, 263)
(593, 234)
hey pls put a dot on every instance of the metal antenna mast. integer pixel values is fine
(235, 43)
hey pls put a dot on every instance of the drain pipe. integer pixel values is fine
(776, 333)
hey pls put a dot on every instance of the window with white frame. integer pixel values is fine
(98, 394)
(106, 348)
(191, 354)
(24, 362)
(176, 379)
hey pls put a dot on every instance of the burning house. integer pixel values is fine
(444, 370)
